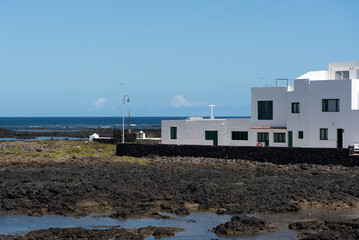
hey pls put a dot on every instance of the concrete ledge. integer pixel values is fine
(277, 155)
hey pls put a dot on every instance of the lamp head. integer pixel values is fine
(124, 99)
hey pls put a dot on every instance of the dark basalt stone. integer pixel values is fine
(241, 225)
(327, 230)
(101, 234)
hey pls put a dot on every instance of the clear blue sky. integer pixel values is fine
(173, 58)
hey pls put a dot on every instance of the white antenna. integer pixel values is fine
(212, 117)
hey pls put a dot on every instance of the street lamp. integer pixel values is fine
(123, 116)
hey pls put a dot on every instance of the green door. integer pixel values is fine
(290, 139)
(263, 137)
(212, 135)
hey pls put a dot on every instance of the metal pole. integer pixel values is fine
(123, 116)
(123, 120)
(129, 121)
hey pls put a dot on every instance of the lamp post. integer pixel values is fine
(123, 116)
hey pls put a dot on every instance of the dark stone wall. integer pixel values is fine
(277, 155)
(129, 136)
(104, 140)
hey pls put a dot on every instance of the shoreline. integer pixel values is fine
(78, 178)
(79, 133)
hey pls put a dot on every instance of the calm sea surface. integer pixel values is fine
(75, 123)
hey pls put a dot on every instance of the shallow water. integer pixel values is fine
(61, 138)
(21, 224)
(43, 138)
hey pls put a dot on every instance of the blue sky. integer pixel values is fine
(173, 58)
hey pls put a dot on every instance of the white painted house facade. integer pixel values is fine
(320, 110)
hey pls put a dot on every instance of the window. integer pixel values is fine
(263, 137)
(330, 105)
(173, 132)
(340, 75)
(300, 135)
(265, 110)
(323, 134)
(295, 107)
(279, 137)
(239, 135)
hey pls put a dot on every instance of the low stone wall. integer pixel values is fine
(129, 136)
(104, 140)
(277, 155)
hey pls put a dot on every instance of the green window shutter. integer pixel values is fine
(279, 137)
(173, 133)
(239, 135)
(263, 136)
(300, 135)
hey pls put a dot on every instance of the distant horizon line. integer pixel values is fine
(115, 116)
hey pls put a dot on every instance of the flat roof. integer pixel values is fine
(268, 127)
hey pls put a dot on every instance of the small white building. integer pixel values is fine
(320, 110)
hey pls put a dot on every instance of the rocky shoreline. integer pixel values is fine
(78, 178)
(340, 229)
(111, 233)
(243, 225)
(80, 133)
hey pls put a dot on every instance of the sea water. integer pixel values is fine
(197, 224)
(78, 123)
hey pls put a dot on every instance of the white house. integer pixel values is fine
(320, 110)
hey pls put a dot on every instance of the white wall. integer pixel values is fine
(299, 121)
(330, 89)
(271, 137)
(239, 124)
(275, 94)
(192, 132)
(355, 94)
(352, 67)
(310, 119)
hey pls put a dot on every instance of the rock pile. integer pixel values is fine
(82, 233)
(327, 230)
(242, 224)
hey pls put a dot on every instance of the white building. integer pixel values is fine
(320, 110)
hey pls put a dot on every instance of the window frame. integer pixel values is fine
(325, 105)
(267, 110)
(173, 133)
(279, 137)
(239, 135)
(339, 75)
(295, 107)
(300, 135)
(323, 133)
(260, 139)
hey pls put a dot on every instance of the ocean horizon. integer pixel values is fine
(78, 123)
